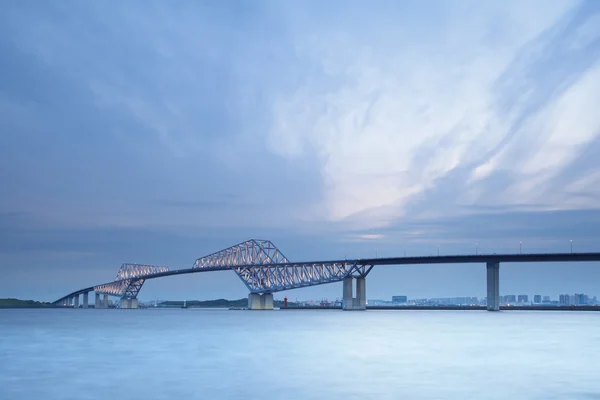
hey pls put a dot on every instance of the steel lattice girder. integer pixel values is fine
(127, 283)
(138, 270)
(258, 263)
(250, 252)
(264, 269)
(275, 278)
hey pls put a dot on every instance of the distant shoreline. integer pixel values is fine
(16, 303)
(465, 308)
(241, 304)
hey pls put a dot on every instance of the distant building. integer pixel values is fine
(510, 298)
(546, 299)
(580, 299)
(399, 299)
(564, 299)
(523, 298)
(537, 299)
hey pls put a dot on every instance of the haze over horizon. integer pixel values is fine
(161, 133)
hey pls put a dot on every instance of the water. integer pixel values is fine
(220, 354)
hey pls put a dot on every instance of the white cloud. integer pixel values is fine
(388, 119)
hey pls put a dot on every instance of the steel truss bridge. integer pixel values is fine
(265, 270)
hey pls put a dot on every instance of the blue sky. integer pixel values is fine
(159, 132)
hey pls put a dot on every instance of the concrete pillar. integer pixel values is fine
(97, 304)
(266, 301)
(360, 301)
(347, 293)
(105, 301)
(493, 286)
(254, 301)
(361, 293)
(76, 302)
(85, 299)
(128, 304)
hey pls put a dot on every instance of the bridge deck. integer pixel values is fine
(444, 259)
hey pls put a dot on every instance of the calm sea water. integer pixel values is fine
(221, 354)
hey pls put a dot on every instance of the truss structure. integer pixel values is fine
(276, 277)
(129, 280)
(258, 263)
(264, 269)
(250, 252)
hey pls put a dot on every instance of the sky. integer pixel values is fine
(158, 132)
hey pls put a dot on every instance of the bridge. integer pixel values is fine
(265, 270)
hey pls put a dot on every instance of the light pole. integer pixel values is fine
(571, 246)
(520, 247)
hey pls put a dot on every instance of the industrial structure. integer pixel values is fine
(265, 270)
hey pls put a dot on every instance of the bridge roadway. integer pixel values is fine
(492, 262)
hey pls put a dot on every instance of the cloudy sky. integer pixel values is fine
(158, 132)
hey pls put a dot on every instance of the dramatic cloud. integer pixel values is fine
(161, 132)
(393, 113)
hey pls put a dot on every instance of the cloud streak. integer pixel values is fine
(482, 99)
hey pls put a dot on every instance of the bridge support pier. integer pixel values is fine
(129, 304)
(85, 300)
(76, 301)
(358, 303)
(254, 301)
(266, 301)
(105, 301)
(97, 303)
(493, 286)
(260, 301)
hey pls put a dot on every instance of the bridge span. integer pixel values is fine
(265, 270)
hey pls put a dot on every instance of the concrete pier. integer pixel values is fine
(97, 304)
(493, 286)
(85, 300)
(105, 301)
(129, 304)
(266, 301)
(260, 301)
(347, 293)
(76, 301)
(358, 303)
(361, 293)
(254, 301)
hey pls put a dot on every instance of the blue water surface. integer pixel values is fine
(311, 354)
